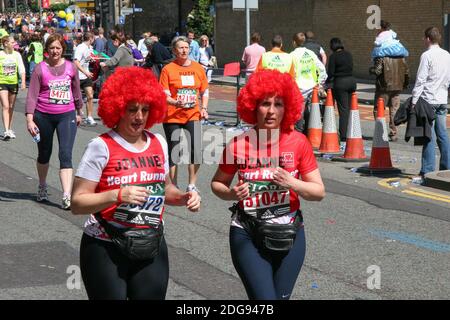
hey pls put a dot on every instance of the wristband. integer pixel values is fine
(119, 195)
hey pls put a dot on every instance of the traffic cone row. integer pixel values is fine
(380, 160)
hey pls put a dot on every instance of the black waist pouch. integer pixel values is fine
(269, 236)
(276, 237)
(135, 243)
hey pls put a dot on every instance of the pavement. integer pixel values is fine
(366, 92)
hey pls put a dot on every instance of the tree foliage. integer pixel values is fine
(199, 19)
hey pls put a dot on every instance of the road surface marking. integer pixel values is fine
(424, 195)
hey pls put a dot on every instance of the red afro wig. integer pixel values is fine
(129, 85)
(269, 83)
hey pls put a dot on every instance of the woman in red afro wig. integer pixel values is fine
(275, 168)
(269, 83)
(122, 182)
(131, 85)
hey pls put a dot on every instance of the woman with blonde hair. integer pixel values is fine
(11, 64)
(207, 58)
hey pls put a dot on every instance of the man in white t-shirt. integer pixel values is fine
(82, 57)
(141, 45)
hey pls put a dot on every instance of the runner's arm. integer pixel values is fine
(81, 69)
(86, 201)
(22, 70)
(76, 92)
(220, 186)
(175, 197)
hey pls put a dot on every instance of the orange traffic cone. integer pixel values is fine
(315, 122)
(330, 139)
(354, 149)
(380, 159)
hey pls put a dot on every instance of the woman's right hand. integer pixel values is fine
(134, 195)
(32, 128)
(241, 190)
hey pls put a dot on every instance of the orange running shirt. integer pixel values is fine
(184, 83)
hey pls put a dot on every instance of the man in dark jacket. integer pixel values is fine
(158, 55)
(392, 78)
(315, 47)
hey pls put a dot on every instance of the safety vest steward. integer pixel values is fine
(8, 69)
(280, 61)
(38, 52)
(3, 33)
(305, 67)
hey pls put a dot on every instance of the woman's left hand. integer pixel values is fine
(78, 119)
(193, 201)
(282, 178)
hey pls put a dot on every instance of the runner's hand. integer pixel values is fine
(282, 178)
(193, 201)
(134, 195)
(32, 128)
(89, 74)
(204, 114)
(241, 191)
(179, 104)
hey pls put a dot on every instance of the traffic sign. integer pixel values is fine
(126, 11)
(240, 5)
(136, 9)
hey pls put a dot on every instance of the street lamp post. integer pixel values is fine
(247, 22)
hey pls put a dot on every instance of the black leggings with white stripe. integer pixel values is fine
(109, 275)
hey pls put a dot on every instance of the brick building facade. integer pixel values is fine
(346, 19)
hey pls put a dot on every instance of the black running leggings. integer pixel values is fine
(193, 132)
(65, 125)
(266, 276)
(109, 275)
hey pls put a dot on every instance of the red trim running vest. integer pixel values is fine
(125, 168)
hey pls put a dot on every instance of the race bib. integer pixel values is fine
(60, 92)
(187, 81)
(266, 200)
(188, 96)
(147, 214)
(9, 69)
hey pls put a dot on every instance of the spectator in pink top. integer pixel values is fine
(253, 53)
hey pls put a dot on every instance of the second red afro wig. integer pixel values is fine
(265, 84)
(131, 85)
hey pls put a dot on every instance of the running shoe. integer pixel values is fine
(90, 122)
(6, 136)
(65, 204)
(42, 194)
(12, 134)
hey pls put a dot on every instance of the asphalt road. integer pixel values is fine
(363, 228)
